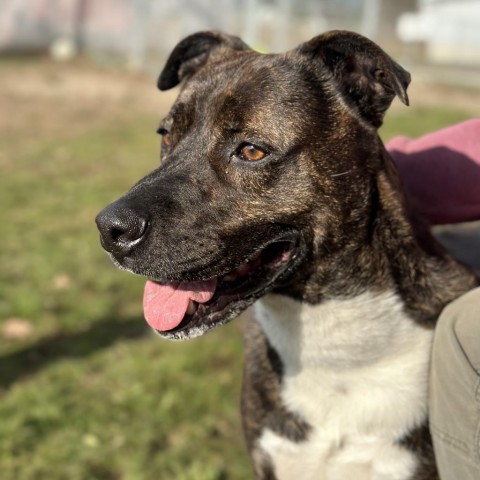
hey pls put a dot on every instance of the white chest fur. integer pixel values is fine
(356, 370)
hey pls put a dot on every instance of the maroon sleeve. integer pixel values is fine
(441, 171)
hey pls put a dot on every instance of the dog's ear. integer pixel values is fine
(364, 74)
(193, 52)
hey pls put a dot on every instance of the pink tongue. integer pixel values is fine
(164, 306)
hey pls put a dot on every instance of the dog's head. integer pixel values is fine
(267, 161)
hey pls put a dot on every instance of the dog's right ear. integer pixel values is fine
(366, 77)
(193, 52)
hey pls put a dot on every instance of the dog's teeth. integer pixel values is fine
(230, 277)
(191, 307)
(243, 269)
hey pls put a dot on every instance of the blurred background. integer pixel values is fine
(86, 391)
(140, 33)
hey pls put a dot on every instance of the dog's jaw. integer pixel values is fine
(271, 266)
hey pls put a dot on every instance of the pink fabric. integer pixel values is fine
(441, 171)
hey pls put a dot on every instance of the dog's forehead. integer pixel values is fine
(253, 91)
(244, 70)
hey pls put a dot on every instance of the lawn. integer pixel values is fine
(86, 390)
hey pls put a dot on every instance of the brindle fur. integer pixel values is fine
(261, 402)
(316, 110)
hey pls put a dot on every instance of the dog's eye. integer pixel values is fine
(251, 153)
(166, 137)
(167, 140)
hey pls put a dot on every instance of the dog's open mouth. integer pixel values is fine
(188, 309)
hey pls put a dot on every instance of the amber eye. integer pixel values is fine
(252, 153)
(166, 139)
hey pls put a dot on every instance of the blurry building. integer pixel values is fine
(449, 30)
(143, 32)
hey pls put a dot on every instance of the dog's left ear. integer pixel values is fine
(365, 75)
(192, 53)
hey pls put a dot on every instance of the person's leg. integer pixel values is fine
(455, 389)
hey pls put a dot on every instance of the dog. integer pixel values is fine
(274, 188)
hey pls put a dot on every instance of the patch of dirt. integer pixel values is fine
(16, 329)
(424, 93)
(455, 86)
(42, 98)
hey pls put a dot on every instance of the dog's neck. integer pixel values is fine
(338, 333)
(392, 250)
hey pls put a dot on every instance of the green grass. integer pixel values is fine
(91, 393)
(416, 121)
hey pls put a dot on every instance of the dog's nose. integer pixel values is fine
(121, 228)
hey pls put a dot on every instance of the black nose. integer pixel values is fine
(121, 228)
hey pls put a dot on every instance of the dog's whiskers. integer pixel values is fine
(341, 174)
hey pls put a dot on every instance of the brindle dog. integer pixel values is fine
(275, 186)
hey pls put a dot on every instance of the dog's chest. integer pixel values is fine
(355, 370)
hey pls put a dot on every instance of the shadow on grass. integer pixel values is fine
(103, 334)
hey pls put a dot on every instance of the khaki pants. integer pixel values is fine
(455, 389)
